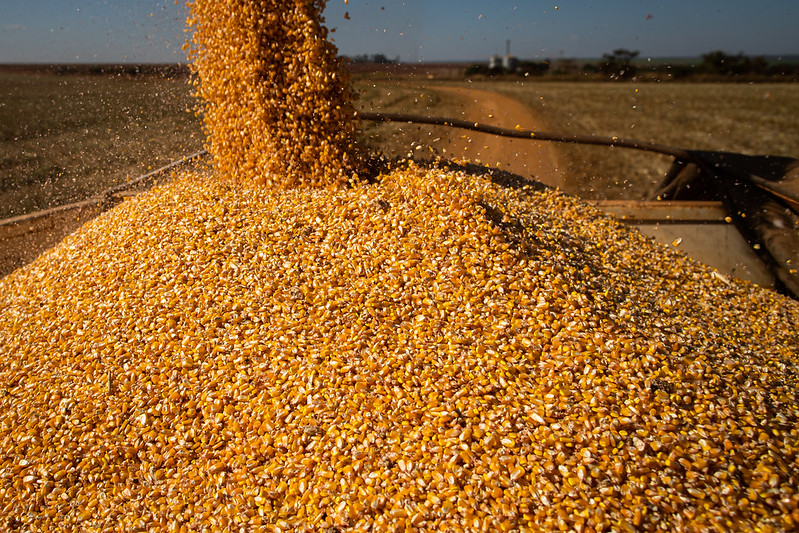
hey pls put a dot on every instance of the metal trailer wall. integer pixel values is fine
(25, 237)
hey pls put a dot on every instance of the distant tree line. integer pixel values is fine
(620, 65)
(624, 64)
(521, 68)
(163, 70)
(380, 59)
(720, 63)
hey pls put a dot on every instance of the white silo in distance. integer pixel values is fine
(509, 62)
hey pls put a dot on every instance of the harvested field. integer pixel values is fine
(756, 119)
(64, 138)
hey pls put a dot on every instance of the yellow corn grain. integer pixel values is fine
(431, 350)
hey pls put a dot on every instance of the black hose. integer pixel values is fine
(677, 153)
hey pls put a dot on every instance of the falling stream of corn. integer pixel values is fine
(276, 344)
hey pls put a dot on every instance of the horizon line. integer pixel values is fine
(400, 62)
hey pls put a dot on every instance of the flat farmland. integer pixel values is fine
(756, 119)
(66, 137)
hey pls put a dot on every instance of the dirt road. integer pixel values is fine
(535, 159)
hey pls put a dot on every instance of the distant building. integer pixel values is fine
(509, 62)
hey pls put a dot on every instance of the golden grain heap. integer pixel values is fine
(276, 107)
(432, 351)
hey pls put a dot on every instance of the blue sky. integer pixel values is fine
(53, 31)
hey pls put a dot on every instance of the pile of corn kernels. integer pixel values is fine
(276, 106)
(432, 351)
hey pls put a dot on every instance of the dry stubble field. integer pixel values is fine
(757, 119)
(65, 137)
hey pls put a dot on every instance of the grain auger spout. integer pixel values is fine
(759, 193)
